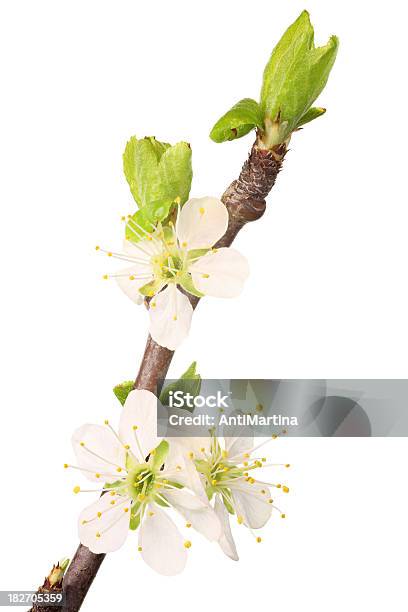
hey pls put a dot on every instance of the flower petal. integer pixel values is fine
(200, 514)
(201, 222)
(226, 540)
(103, 526)
(187, 474)
(220, 273)
(143, 249)
(252, 504)
(130, 282)
(170, 317)
(99, 452)
(161, 543)
(138, 423)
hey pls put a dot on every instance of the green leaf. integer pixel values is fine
(238, 121)
(312, 113)
(158, 175)
(295, 75)
(122, 391)
(139, 224)
(190, 382)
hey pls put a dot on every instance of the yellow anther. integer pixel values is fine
(106, 422)
(202, 449)
(287, 465)
(139, 548)
(97, 248)
(109, 254)
(119, 469)
(274, 437)
(66, 465)
(134, 427)
(123, 218)
(187, 544)
(177, 200)
(263, 459)
(151, 513)
(214, 482)
(112, 493)
(259, 408)
(127, 446)
(252, 480)
(263, 491)
(97, 534)
(97, 475)
(113, 502)
(285, 489)
(84, 522)
(205, 276)
(99, 514)
(225, 454)
(184, 244)
(149, 237)
(246, 474)
(141, 497)
(270, 501)
(191, 455)
(152, 452)
(152, 304)
(178, 468)
(174, 317)
(76, 489)
(82, 444)
(105, 277)
(259, 540)
(278, 486)
(202, 211)
(125, 509)
(246, 463)
(131, 277)
(246, 455)
(283, 515)
(188, 525)
(258, 464)
(240, 520)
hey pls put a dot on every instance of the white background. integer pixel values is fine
(327, 296)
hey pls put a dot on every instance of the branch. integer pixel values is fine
(245, 201)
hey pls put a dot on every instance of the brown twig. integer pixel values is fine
(245, 200)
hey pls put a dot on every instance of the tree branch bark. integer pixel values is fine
(245, 201)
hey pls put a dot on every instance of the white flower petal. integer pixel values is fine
(238, 438)
(251, 504)
(107, 532)
(178, 461)
(161, 543)
(226, 540)
(220, 273)
(197, 512)
(201, 223)
(99, 452)
(138, 423)
(130, 282)
(143, 249)
(170, 317)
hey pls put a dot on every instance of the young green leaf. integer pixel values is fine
(122, 391)
(312, 113)
(238, 121)
(295, 75)
(158, 175)
(190, 382)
